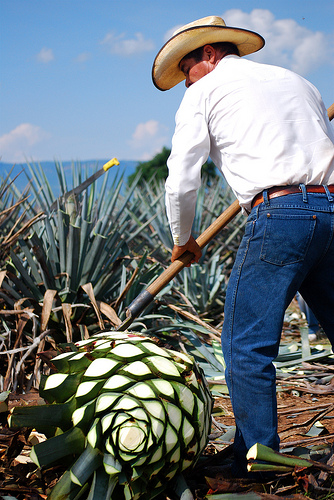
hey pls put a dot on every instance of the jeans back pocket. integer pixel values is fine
(286, 238)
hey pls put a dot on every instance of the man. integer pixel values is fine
(267, 130)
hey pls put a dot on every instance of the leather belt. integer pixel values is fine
(275, 192)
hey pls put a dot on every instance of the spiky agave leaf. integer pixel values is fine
(144, 411)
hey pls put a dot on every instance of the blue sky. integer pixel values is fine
(75, 81)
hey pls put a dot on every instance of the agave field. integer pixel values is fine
(89, 412)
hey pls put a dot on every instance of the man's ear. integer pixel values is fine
(209, 53)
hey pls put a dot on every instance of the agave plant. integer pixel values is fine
(77, 241)
(81, 239)
(13, 219)
(148, 208)
(67, 263)
(134, 414)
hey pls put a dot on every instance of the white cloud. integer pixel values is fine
(17, 144)
(148, 139)
(288, 43)
(144, 130)
(45, 56)
(118, 44)
(83, 57)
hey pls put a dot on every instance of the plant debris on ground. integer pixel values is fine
(306, 428)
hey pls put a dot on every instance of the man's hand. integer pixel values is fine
(192, 246)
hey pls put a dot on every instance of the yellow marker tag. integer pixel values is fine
(110, 163)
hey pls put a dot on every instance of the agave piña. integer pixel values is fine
(136, 416)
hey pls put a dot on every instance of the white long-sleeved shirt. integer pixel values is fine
(261, 125)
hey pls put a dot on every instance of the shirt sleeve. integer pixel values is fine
(190, 150)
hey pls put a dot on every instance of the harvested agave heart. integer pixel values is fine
(135, 416)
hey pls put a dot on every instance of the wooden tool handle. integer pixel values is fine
(202, 241)
(147, 296)
(330, 112)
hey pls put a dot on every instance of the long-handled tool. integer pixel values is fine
(84, 185)
(147, 296)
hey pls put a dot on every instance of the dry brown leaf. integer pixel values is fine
(109, 312)
(47, 308)
(67, 311)
(88, 288)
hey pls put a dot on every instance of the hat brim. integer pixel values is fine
(166, 72)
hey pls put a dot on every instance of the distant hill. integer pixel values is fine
(126, 166)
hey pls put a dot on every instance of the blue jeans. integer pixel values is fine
(288, 245)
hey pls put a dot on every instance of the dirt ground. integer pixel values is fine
(295, 415)
(305, 419)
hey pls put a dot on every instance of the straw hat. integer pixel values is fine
(166, 72)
